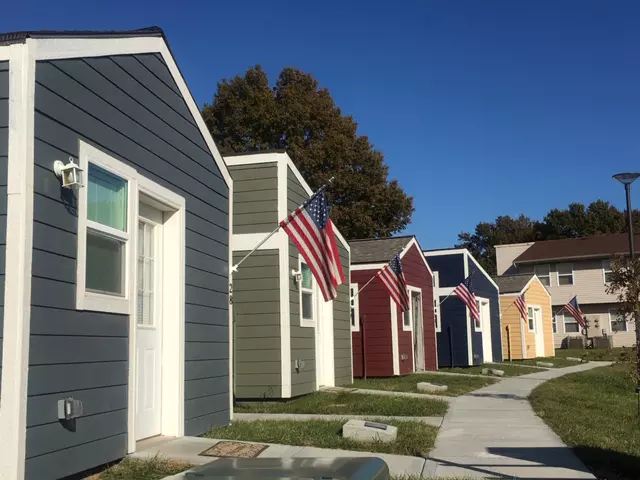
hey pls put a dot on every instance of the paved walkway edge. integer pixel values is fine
(252, 417)
(386, 393)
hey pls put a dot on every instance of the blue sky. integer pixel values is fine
(481, 108)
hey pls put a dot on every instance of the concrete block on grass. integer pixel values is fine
(573, 359)
(364, 431)
(544, 364)
(493, 371)
(431, 387)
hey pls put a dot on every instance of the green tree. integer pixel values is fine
(247, 114)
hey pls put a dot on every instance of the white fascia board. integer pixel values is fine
(18, 265)
(5, 52)
(479, 267)
(450, 251)
(367, 266)
(59, 48)
(253, 159)
(528, 244)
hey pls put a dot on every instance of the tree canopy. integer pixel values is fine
(247, 114)
(577, 220)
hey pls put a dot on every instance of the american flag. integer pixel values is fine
(311, 230)
(465, 292)
(393, 279)
(521, 305)
(574, 309)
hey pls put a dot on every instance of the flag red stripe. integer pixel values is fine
(395, 286)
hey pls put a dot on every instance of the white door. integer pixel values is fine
(418, 330)
(537, 315)
(485, 325)
(149, 324)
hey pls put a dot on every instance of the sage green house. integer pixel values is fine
(287, 340)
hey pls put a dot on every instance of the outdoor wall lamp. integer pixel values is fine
(297, 276)
(70, 173)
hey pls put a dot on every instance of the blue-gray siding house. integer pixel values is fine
(117, 286)
(461, 340)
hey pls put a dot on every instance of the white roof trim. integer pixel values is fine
(514, 244)
(526, 287)
(367, 266)
(450, 251)
(59, 48)
(481, 269)
(414, 241)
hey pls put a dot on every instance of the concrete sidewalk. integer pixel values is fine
(302, 417)
(188, 449)
(493, 432)
(387, 393)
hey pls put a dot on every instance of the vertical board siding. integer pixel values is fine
(375, 311)
(303, 339)
(453, 313)
(129, 107)
(4, 144)
(538, 295)
(255, 197)
(342, 356)
(513, 338)
(483, 287)
(256, 319)
(417, 275)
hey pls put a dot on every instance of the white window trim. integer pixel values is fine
(355, 307)
(314, 296)
(558, 275)
(606, 261)
(540, 277)
(436, 302)
(572, 320)
(554, 324)
(533, 307)
(480, 300)
(626, 324)
(409, 328)
(98, 302)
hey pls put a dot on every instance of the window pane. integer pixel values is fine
(555, 325)
(541, 270)
(545, 281)
(565, 280)
(105, 264)
(565, 268)
(307, 306)
(106, 198)
(571, 327)
(607, 277)
(307, 278)
(618, 322)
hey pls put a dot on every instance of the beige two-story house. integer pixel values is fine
(574, 266)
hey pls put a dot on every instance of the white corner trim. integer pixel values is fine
(355, 307)
(247, 241)
(395, 347)
(285, 320)
(230, 303)
(469, 320)
(19, 243)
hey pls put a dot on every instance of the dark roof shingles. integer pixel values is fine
(15, 37)
(377, 250)
(567, 248)
(512, 283)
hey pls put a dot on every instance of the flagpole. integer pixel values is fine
(452, 291)
(286, 220)
(365, 285)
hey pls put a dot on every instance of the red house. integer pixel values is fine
(387, 342)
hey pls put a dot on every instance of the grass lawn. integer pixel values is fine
(152, 469)
(618, 354)
(350, 403)
(408, 383)
(595, 412)
(414, 438)
(509, 370)
(558, 361)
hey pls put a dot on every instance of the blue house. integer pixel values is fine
(461, 340)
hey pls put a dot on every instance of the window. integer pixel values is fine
(307, 314)
(481, 304)
(606, 270)
(406, 320)
(543, 273)
(617, 322)
(531, 319)
(570, 324)
(555, 324)
(355, 313)
(565, 273)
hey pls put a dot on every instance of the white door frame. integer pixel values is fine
(412, 324)
(485, 329)
(325, 372)
(538, 333)
(173, 308)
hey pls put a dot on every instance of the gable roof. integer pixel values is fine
(513, 283)
(468, 260)
(17, 37)
(597, 246)
(377, 250)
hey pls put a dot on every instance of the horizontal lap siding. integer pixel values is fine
(342, 326)
(375, 312)
(303, 339)
(129, 107)
(4, 144)
(255, 197)
(418, 275)
(256, 315)
(537, 295)
(511, 339)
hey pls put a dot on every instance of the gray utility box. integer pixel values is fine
(575, 342)
(359, 468)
